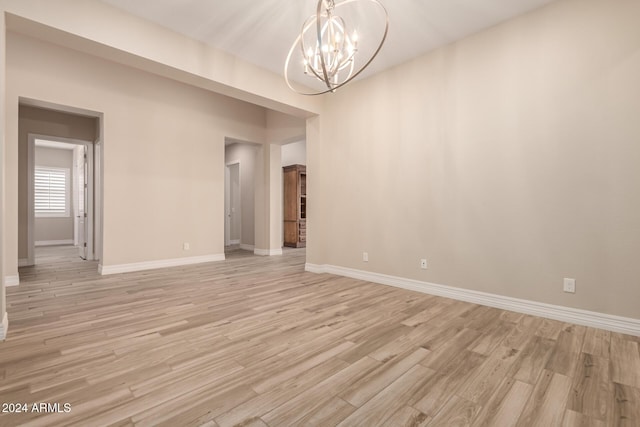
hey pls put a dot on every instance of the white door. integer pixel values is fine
(232, 216)
(81, 217)
(234, 199)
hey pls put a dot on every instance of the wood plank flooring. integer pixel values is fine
(256, 341)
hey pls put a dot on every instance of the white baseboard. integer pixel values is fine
(12, 280)
(593, 319)
(23, 262)
(268, 252)
(4, 326)
(151, 265)
(246, 247)
(54, 242)
(234, 242)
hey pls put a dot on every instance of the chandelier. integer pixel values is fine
(328, 48)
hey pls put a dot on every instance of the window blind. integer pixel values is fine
(51, 188)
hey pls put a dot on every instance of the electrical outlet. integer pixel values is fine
(569, 285)
(423, 264)
(365, 256)
(185, 246)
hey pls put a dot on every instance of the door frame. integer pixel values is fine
(88, 173)
(31, 155)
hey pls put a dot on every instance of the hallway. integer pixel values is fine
(54, 263)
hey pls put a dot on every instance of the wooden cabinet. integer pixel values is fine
(295, 206)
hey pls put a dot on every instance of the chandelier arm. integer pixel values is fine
(350, 70)
(337, 28)
(305, 27)
(300, 40)
(319, 33)
(286, 74)
(315, 73)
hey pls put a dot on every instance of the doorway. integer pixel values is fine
(60, 195)
(239, 195)
(294, 161)
(233, 205)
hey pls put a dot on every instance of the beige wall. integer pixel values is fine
(268, 200)
(97, 28)
(294, 153)
(281, 129)
(163, 149)
(55, 228)
(3, 224)
(284, 128)
(41, 121)
(509, 160)
(317, 197)
(274, 173)
(245, 154)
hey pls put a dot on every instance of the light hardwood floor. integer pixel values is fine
(256, 341)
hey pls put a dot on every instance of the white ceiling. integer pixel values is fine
(262, 31)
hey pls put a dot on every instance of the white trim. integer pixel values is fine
(58, 107)
(31, 150)
(4, 327)
(24, 262)
(12, 280)
(97, 197)
(594, 319)
(267, 252)
(90, 214)
(54, 144)
(78, 151)
(54, 242)
(246, 247)
(234, 242)
(164, 263)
